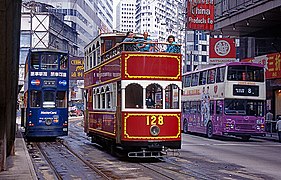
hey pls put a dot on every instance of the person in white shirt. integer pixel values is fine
(278, 128)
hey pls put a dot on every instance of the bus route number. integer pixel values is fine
(154, 120)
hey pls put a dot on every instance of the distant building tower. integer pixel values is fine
(125, 15)
(158, 18)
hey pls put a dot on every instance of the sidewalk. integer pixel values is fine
(269, 136)
(19, 166)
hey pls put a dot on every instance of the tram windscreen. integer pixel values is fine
(245, 73)
(35, 98)
(63, 61)
(244, 107)
(49, 99)
(61, 99)
(49, 61)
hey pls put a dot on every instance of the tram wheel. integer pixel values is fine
(209, 130)
(185, 126)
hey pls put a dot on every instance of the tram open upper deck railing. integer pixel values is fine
(120, 47)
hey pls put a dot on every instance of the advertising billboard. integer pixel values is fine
(200, 14)
(76, 68)
(271, 62)
(222, 50)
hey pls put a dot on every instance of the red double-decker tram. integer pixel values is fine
(132, 97)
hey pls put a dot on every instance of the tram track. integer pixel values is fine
(66, 164)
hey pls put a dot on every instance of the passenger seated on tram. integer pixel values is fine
(149, 101)
(172, 47)
(145, 47)
(130, 38)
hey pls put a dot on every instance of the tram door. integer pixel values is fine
(118, 114)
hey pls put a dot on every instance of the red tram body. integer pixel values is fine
(117, 86)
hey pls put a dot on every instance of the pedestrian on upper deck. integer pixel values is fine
(172, 47)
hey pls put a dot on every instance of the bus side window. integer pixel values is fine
(212, 108)
(202, 77)
(220, 74)
(211, 76)
(195, 78)
(218, 107)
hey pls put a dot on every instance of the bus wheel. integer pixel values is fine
(246, 138)
(209, 130)
(185, 126)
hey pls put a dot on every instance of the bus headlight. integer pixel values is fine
(48, 122)
(154, 130)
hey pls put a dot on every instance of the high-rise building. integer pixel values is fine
(125, 15)
(158, 17)
(88, 17)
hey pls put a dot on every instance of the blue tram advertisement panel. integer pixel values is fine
(46, 91)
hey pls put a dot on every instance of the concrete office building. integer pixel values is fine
(125, 15)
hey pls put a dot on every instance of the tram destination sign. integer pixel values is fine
(242, 90)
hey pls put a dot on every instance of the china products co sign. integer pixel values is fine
(222, 50)
(76, 68)
(200, 14)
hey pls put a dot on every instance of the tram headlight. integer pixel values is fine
(154, 130)
(48, 121)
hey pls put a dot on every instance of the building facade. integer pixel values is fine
(125, 15)
(87, 17)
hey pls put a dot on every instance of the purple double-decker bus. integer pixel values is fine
(226, 99)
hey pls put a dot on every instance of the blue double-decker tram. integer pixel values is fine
(46, 91)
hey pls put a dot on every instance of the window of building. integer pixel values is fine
(204, 48)
(204, 58)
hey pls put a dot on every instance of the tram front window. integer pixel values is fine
(133, 96)
(35, 98)
(49, 61)
(61, 99)
(154, 96)
(49, 99)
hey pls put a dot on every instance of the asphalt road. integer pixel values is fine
(257, 156)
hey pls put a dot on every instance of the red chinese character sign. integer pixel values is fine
(271, 62)
(200, 14)
(222, 50)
